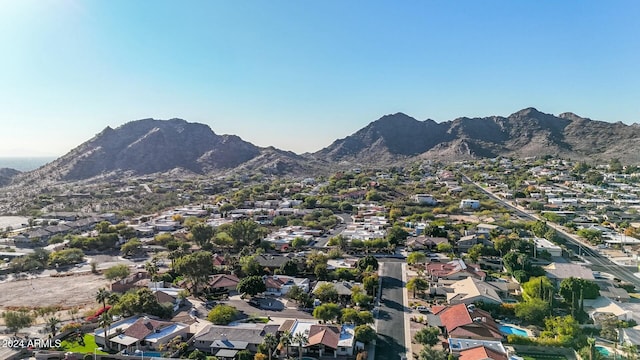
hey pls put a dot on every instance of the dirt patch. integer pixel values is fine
(67, 292)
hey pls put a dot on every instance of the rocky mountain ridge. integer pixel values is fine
(525, 133)
(176, 146)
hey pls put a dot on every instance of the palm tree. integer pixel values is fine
(301, 339)
(592, 343)
(102, 296)
(285, 341)
(52, 324)
(105, 323)
(270, 342)
(152, 269)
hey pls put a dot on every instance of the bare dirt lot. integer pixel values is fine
(77, 290)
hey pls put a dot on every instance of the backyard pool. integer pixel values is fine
(510, 330)
(603, 350)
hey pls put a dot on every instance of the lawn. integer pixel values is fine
(73, 345)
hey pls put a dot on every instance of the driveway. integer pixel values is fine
(273, 307)
(391, 335)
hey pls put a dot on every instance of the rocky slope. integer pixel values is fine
(527, 132)
(158, 146)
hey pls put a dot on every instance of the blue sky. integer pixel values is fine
(299, 74)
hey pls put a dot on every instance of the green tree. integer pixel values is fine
(366, 262)
(245, 232)
(592, 235)
(564, 329)
(417, 284)
(301, 339)
(222, 314)
(349, 315)
(131, 247)
(105, 322)
(572, 288)
(66, 257)
(279, 221)
(326, 292)
(196, 267)
(321, 271)
(16, 320)
(365, 334)
(201, 234)
(117, 272)
(416, 257)
(102, 296)
(427, 336)
(444, 247)
(270, 342)
(298, 242)
(475, 252)
(285, 341)
(533, 310)
(429, 353)
(327, 312)
(251, 285)
(537, 287)
(290, 268)
(250, 266)
(152, 269)
(52, 325)
(396, 235)
(244, 355)
(197, 355)
(370, 283)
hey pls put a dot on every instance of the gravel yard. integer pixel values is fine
(67, 291)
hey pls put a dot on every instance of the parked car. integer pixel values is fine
(423, 309)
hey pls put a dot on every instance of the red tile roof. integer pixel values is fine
(459, 322)
(143, 327)
(223, 281)
(455, 316)
(439, 270)
(325, 335)
(481, 353)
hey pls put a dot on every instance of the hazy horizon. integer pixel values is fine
(298, 76)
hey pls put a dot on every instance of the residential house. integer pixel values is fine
(140, 333)
(424, 242)
(222, 283)
(281, 284)
(467, 242)
(323, 340)
(343, 288)
(560, 271)
(467, 322)
(271, 261)
(630, 335)
(136, 280)
(481, 353)
(469, 204)
(456, 269)
(425, 199)
(225, 342)
(602, 305)
(543, 244)
(470, 290)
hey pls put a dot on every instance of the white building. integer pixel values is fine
(469, 204)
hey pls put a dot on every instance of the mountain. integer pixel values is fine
(525, 133)
(151, 146)
(6, 175)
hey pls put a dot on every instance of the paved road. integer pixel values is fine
(588, 252)
(391, 342)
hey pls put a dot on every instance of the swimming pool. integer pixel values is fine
(603, 350)
(510, 330)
